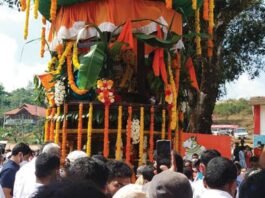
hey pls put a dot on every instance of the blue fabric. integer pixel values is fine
(7, 175)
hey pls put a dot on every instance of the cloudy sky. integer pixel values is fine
(17, 70)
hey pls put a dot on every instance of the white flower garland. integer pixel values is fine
(59, 94)
(135, 131)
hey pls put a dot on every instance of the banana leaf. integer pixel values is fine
(91, 65)
(156, 42)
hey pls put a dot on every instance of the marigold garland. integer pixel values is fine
(194, 4)
(52, 124)
(53, 10)
(128, 137)
(79, 129)
(75, 57)
(106, 131)
(26, 26)
(89, 130)
(42, 48)
(57, 126)
(64, 132)
(141, 143)
(23, 5)
(163, 128)
(169, 131)
(206, 10)
(47, 125)
(71, 81)
(59, 50)
(118, 155)
(198, 30)
(36, 8)
(210, 28)
(169, 3)
(151, 139)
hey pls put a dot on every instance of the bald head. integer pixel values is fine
(51, 149)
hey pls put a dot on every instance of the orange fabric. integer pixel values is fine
(46, 81)
(190, 67)
(159, 66)
(169, 3)
(117, 12)
(126, 35)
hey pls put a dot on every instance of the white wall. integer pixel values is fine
(262, 120)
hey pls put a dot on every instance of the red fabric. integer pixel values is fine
(159, 66)
(256, 119)
(190, 67)
(126, 35)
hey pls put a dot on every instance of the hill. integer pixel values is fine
(237, 112)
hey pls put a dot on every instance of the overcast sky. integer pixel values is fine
(17, 71)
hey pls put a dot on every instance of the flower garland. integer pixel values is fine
(163, 130)
(26, 26)
(169, 4)
(89, 130)
(79, 129)
(151, 139)
(169, 131)
(75, 57)
(198, 30)
(106, 131)
(71, 81)
(59, 50)
(206, 10)
(174, 103)
(141, 143)
(47, 125)
(57, 125)
(43, 31)
(36, 8)
(145, 148)
(128, 137)
(52, 124)
(23, 5)
(194, 4)
(118, 155)
(59, 92)
(66, 52)
(53, 10)
(135, 131)
(105, 92)
(64, 131)
(168, 94)
(210, 28)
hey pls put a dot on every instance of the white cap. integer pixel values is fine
(74, 155)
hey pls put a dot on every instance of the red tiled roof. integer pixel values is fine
(32, 109)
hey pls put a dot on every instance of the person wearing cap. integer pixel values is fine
(169, 184)
(130, 191)
(10, 168)
(220, 178)
(25, 177)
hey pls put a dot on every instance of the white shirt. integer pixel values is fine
(2, 195)
(25, 180)
(198, 188)
(34, 189)
(214, 193)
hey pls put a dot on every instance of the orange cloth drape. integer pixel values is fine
(108, 14)
(126, 35)
(190, 67)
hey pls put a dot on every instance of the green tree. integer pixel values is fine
(239, 47)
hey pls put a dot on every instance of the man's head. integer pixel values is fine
(119, 176)
(51, 149)
(207, 156)
(254, 162)
(20, 151)
(253, 186)
(90, 169)
(169, 184)
(47, 167)
(221, 174)
(148, 173)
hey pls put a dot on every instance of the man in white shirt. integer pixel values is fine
(198, 186)
(220, 178)
(25, 177)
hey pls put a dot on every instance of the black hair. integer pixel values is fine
(238, 166)
(188, 172)
(90, 169)
(220, 171)
(46, 164)
(253, 186)
(195, 154)
(207, 155)
(118, 169)
(179, 162)
(148, 172)
(253, 159)
(76, 188)
(21, 147)
(100, 157)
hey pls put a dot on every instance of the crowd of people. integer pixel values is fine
(40, 175)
